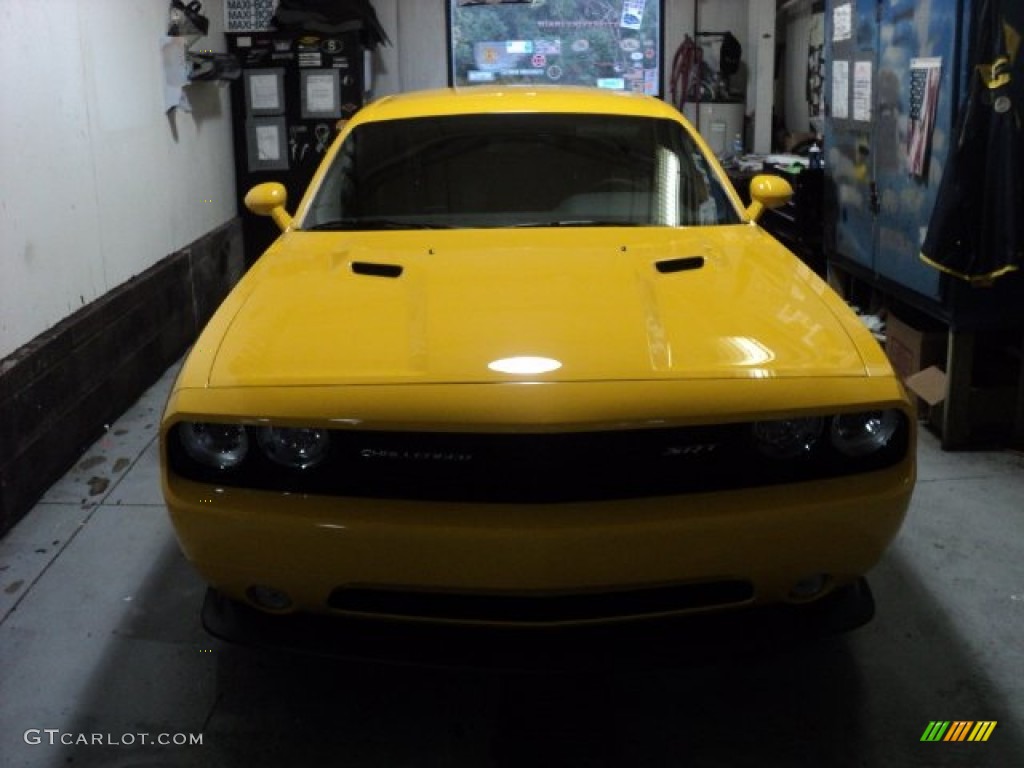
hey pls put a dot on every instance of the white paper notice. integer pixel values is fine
(320, 93)
(248, 15)
(862, 91)
(840, 90)
(268, 146)
(632, 14)
(175, 74)
(842, 22)
(263, 93)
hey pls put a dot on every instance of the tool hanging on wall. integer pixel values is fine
(729, 55)
(694, 79)
(684, 82)
(187, 20)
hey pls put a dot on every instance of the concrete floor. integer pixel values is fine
(99, 634)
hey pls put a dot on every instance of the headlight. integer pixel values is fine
(858, 434)
(788, 438)
(221, 446)
(295, 448)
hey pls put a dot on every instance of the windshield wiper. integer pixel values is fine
(369, 223)
(578, 223)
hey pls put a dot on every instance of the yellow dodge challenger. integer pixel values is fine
(521, 357)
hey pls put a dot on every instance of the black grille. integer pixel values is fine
(590, 606)
(528, 468)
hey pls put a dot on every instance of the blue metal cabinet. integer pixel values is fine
(851, 36)
(881, 187)
(882, 207)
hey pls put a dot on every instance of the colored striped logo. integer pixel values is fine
(958, 730)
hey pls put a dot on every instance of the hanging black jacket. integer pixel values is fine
(976, 231)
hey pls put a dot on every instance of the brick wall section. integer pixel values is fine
(58, 391)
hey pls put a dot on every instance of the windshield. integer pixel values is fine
(518, 170)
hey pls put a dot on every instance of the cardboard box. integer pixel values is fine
(929, 385)
(987, 407)
(910, 349)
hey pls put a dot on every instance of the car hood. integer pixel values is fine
(599, 304)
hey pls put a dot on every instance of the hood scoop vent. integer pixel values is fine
(684, 264)
(370, 269)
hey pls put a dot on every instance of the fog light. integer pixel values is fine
(268, 598)
(810, 587)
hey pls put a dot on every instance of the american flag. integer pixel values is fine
(924, 94)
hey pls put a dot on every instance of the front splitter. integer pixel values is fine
(656, 642)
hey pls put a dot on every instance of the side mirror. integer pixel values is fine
(269, 199)
(767, 192)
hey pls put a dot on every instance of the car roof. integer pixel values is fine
(487, 99)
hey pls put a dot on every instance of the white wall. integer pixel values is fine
(418, 55)
(801, 29)
(760, 57)
(97, 183)
(678, 24)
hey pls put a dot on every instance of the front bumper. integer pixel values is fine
(620, 559)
